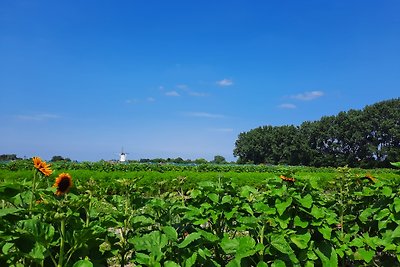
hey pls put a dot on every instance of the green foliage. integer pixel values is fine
(114, 218)
(358, 138)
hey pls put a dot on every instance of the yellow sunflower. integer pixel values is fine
(63, 183)
(288, 179)
(42, 166)
(370, 177)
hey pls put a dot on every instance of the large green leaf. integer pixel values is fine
(397, 204)
(327, 254)
(171, 264)
(281, 206)
(366, 255)
(7, 211)
(306, 201)
(189, 239)
(279, 242)
(318, 213)
(301, 240)
(299, 222)
(396, 164)
(384, 213)
(170, 232)
(325, 231)
(278, 263)
(191, 261)
(214, 197)
(83, 263)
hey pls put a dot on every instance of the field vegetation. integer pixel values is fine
(108, 214)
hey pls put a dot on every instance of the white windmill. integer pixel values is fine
(122, 156)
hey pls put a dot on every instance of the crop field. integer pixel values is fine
(111, 214)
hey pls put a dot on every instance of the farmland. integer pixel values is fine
(104, 214)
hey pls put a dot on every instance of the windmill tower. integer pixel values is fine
(122, 156)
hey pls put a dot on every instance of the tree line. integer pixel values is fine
(364, 138)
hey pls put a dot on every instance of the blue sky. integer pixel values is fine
(82, 79)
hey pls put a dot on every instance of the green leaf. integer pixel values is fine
(7, 211)
(299, 222)
(214, 197)
(83, 263)
(264, 208)
(204, 253)
(306, 201)
(142, 258)
(195, 193)
(317, 212)
(247, 208)
(325, 231)
(386, 191)
(396, 232)
(234, 263)
(170, 232)
(327, 254)
(171, 264)
(397, 204)
(278, 263)
(279, 242)
(6, 248)
(382, 214)
(191, 260)
(396, 164)
(209, 236)
(282, 206)
(365, 214)
(247, 190)
(189, 239)
(38, 252)
(226, 199)
(229, 245)
(366, 255)
(262, 264)
(301, 240)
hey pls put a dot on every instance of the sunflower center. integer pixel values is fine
(64, 185)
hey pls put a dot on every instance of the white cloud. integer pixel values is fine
(204, 115)
(287, 106)
(308, 95)
(151, 99)
(172, 93)
(38, 117)
(225, 82)
(131, 101)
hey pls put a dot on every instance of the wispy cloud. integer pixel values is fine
(204, 115)
(172, 93)
(225, 82)
(287, 106)
(37, 117)
(131, 101)
(308, 95)
(151, 99)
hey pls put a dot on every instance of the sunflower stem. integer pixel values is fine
(33, 191)
(62, 244)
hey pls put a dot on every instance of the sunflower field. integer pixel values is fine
(103, 214)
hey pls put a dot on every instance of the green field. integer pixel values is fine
(206, 215)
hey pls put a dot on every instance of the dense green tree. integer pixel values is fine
(59, 158)
(365, 138)
(7, 157)
(219, 160)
